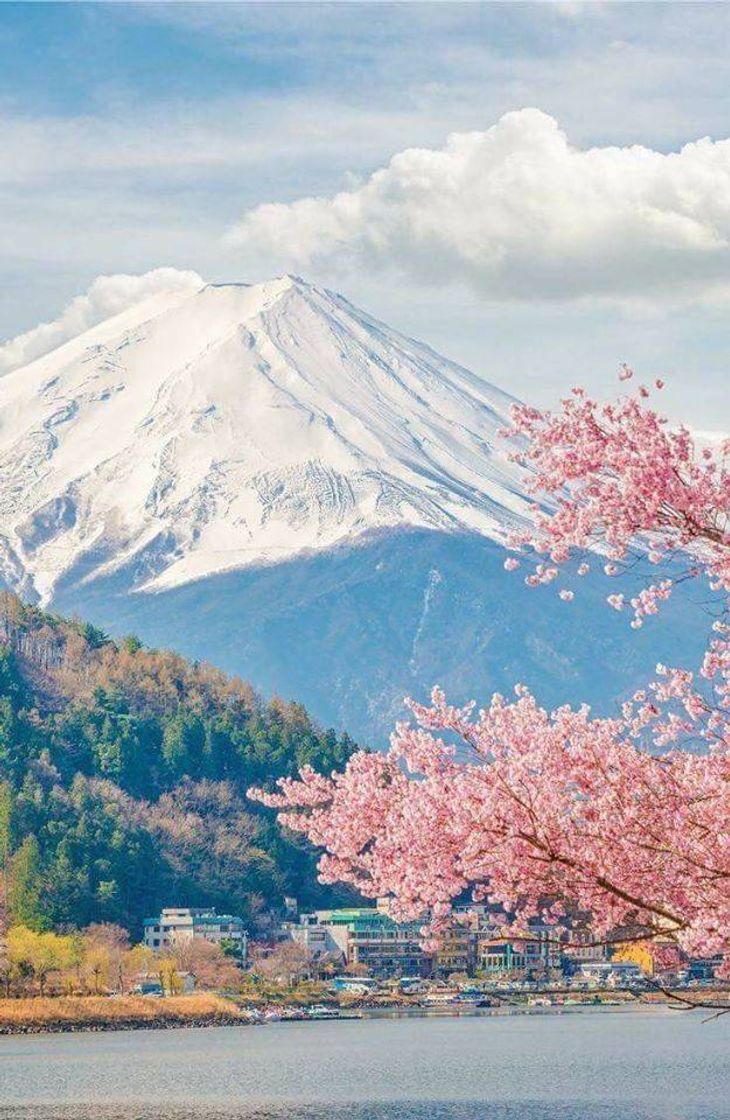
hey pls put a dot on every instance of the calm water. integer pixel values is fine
(657, 1065)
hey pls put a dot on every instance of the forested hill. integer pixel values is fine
(124, 773)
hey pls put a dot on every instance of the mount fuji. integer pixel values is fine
(267, 477)
(239, 425)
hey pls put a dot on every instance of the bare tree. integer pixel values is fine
(286, 962)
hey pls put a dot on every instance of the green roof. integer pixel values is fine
(366, 916)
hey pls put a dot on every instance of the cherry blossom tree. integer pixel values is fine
(627, 818)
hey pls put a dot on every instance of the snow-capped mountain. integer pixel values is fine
(236, 425)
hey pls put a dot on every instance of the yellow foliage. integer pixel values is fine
(82, 960)
(636, 953)
(41, 953)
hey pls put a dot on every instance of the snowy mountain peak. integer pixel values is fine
(212, 428)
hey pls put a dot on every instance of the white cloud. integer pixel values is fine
(107, 295)
(517, 212)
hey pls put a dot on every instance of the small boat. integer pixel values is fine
(319, 1011)
(440, 999)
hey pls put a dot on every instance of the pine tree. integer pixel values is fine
(25, 893)
(6, 805)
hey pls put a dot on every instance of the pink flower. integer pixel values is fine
(562, 804)
(511, 564)
(566, 596)
(575, 791)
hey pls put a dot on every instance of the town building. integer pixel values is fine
(458, 952)
(369, 941)
(179, 925)
(501, 958)
(703, 968)
(580, 948)
(534, 956)
(316, 938)
(612, 973)
(367, 938)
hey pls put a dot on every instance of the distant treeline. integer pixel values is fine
(123, 773)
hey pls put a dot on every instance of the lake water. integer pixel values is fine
(602, 1065)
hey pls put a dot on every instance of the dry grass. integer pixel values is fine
(102, 1011)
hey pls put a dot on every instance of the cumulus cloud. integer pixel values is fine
(107, 296)
(517, 212)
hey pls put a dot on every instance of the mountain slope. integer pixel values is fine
(352, 630)
(128, 770)
(234, 426)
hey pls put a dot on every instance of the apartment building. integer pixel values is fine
(178, 925)
(368, 938)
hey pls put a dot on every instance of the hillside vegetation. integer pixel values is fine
(123, 773)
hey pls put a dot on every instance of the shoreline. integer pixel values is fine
(76, 1014)
(173, 1019)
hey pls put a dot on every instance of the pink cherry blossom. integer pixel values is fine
(539, 804)
(617, 816)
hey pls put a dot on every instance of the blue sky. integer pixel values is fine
(136, 136)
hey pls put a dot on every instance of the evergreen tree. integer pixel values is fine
(6, 808)
(26, 887)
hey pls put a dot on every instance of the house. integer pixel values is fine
(534, 955)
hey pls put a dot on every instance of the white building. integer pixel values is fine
(179, 925)
(614, 974)
(318, 939)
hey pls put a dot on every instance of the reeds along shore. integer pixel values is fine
(76, 1013)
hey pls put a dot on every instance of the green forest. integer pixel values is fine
(123, 777)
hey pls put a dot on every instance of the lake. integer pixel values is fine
(602, 1065)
